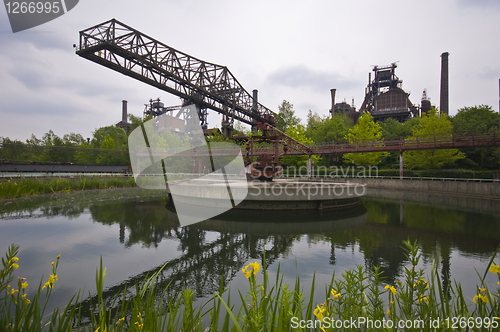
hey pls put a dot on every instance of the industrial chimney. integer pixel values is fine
(255, 106)
(444, 105)
(333, 91)
(124, 111)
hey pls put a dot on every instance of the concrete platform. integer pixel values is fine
(280, 194)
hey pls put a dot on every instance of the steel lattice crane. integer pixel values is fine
(207, 85)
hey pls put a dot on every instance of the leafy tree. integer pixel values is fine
(136, 121)
(118, 135)
(298, 132)
(33, 140)
(111, 138)
(365, 131)
(86, 155)
(328, 129)
(477, 120)
(12, 150)
(73, 139)
(432, 125)
(286, 117)
(240, 130)
(56, 153)
(393, 129)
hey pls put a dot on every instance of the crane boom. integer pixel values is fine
(132, 53)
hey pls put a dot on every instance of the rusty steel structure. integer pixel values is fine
(268, 165)
(384, 97)
(207, 85)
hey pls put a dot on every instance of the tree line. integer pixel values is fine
(340, 128)
(109, 145)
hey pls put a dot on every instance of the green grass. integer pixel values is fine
(20, 187)
(267, 306)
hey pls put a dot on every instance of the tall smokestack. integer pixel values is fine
(124, 111)
(444, 105)
(255, 106)
(333, 91)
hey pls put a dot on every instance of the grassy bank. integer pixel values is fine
(19, 187)
(417, 301)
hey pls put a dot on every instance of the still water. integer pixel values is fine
(135, 232)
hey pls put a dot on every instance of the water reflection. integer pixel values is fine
(204, 255)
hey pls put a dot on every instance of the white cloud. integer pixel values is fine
(288, 50)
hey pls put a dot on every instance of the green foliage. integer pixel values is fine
(393, 129)
(14, 188)
(240, 130)
(328, 129)
(477, 120)
(136, 121)
(118, 135)
(297, 132)
(286, 117)
(107, 139)
(432, 126)
(366, 131)
(269, 305)
(20, 313)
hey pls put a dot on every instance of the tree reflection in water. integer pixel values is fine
(215, 250)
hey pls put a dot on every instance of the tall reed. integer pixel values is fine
(358, 301)
(19, 187)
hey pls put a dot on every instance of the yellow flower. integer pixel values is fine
(422, 298)
(25, 300)
(391, 303)
(120, 320)
(391, 288)
(50, 283)
(13, 291)
(24, 285)
(482, 290)
(52, 263)
(59, 256)
(480, 297)
(252, 267)
(494, 268)
(335, 294)
(13, 261)
(388, 312)
(318, 312)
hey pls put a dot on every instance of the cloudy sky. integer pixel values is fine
(293, 50)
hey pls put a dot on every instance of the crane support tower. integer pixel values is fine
(207, 85)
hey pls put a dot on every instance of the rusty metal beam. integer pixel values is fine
(132, 53)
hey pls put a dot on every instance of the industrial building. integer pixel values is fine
(384, 97)
(343, 107)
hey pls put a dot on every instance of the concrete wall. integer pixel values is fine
(477, 189)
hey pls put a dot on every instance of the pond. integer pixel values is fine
(136, 232)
